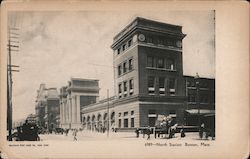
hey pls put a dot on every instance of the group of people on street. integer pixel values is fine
(27, 132)
(148, 131)
(166, 126)
(144, 131)
(206, 132)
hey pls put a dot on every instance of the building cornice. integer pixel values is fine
(83, 89)
(81, 79)
(160, 47)
(142, 99)
(157, 27)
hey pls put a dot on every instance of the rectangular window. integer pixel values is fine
(151, 85)
(204, 99)
(132, 122)
(172, 83)
(131, 86)
(124, 67)
(150, 61)
(161, 42)
(170, 64)
(129, 42)
(191, 98)
(132, 112)
(172, 112)
(125, 123)
(123, 47)
(162, 86)
(193, 84)
(160, 63)
(120, 90)
(204, 84)
(172, 86)
(119, 70)
(170, 43)
(125, 88)
(150, 40)
(125, 114)
(130, 64)
(118, 51)
(151, 111)
(152, 116)
(120, 123)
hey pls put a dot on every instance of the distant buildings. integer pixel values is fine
(47, 107)
(206, 101)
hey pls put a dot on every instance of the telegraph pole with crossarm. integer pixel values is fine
(12, 47)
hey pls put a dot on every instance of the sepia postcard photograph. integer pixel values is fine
(106, 78)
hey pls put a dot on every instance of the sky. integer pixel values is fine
(55, 46)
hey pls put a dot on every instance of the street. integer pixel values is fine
(126, 136)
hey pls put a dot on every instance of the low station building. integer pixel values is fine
(149, 81)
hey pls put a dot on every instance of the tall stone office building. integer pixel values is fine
(47, 107)
(148, 81)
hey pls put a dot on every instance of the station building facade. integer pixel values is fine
(74, 97)
(149, 81)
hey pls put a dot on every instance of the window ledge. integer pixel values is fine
(162, 69)
(128, 71)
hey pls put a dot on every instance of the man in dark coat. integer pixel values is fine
(148, 132)
(137, 132)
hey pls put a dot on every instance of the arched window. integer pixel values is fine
(112, 118)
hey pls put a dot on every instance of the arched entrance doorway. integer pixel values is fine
(88, 123)
(112, 120)
(84, 122)
(93, 123)
(105, 119)
(99, 122)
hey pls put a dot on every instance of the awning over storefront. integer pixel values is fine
(152, 115)
(202, 111)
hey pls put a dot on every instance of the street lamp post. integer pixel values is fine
(197, 83)
(108, 113)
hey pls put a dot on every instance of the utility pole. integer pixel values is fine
(108, 112)
(10, 68)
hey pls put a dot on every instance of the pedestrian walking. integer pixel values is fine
(66, 132)
(148, 132)
(75, 134)
(182, 133)
(137, 132)
(143, 132)
(201, 131)
(172, 131)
